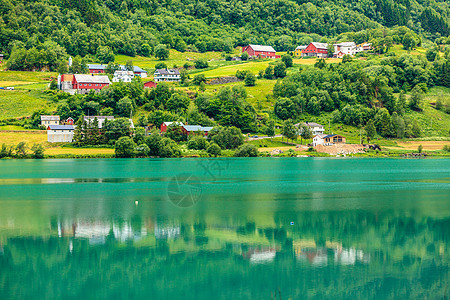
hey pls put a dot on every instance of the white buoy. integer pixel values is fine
(136, 202)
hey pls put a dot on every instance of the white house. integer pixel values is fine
(100, 119)
(60, 133)
(314, 127)
(346, 48)
(328, 139)
(167, 75)
(49, 120)
(123, 76)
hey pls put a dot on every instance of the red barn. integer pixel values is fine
(69, 121)
(85, 83)
(95, 69)
(150, 84)
(260, 51)
(190, 129)
(316, 49)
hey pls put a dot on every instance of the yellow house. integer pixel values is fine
(298, 50)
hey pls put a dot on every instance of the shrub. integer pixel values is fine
(197, 143)
(246, 150)
(214, 149)
(125, 147)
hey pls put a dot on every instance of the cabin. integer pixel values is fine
(167, 75)
(100, 119)
(69, 121)
(167, 124)
(192, 129)
(149, 84)
(299, 49)
(86, 83)
(60, 133)
(259, 51)
(346, 48)
(328, 140)
(49, 120)
(316, 129)
(314, 49)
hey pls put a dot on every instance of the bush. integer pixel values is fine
(246, 150)
(250, 79)
(38, 151)
(125, 147)
(142, 150)
(446, 148)
(160, 65)
(201, 64)
(198, 79)
(197, 143)
(214, 149)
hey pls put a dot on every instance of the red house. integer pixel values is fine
(166, 124)
(191, 129)
(85, 83)
(150, 84)
(260, 51)
(316, 49)
(95, 69)
(69, 121)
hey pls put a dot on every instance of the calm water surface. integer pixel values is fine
(306, 228)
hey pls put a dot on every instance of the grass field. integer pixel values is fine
(13, 138)
(21, 103)
(414, 145)
(14, 76)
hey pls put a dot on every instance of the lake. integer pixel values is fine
(252, 228)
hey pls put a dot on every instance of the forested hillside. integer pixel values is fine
(133, 27)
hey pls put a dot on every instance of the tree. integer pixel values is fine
(401, 103)
(287, 59)
(197, 143)
(139, 135)
(214, 149)
(347, 58)
(246, 150)
(279, 71)
(268, 73)
(198, 79)
(162, 52)
(21, 150)
(38, 151)
(431, 54)
(54, 84)
(415, 102)
(201, 63)
(289, 130)
(244, 56)
(125, 147)
(146, 50)
(176, 133)
(226, 137)
(250, 79)
(285, 108)
(416, 131)
(129, 65)
(420, 148)
(124, 107)
(178, 102)
(184, 76)
(409, 41)
(370, 130)
(105, 55)
(270, 129)
(305, 133)
(142, 150)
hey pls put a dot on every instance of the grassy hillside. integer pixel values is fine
(22, 103)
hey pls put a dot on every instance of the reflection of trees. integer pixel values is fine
(408, 259)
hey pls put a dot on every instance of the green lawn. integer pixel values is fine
(21, 103)
(26, 76)
(230, 70)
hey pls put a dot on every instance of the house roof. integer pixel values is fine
(98, 117)
(139, 70)
(300, 47)
(346, 44)
(49, 118)
(96, 67)
(309, 124)
(92, 79)
(320, 45)
(324, 136)
(176, 123)
(168, 71)
(61, 127)
(262, 48)
(196, 128)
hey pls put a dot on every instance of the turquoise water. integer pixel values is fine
(290, 228)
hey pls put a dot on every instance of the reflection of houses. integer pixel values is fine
(320, 256)
(60, 133)
(167, 232)
(49, 120)
(327, 140)
(258, 255)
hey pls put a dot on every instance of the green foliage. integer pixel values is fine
(176, 133)
(201, 64)
(21, 150)
(226, 137)
(214, 149)
(157, 117)
(162, 52)
(178, 102)
(285, 108)
(38, 151)
(268, 73)
(420, 148)
(250, 79)
(244, 56)
(370, 129)
(287, 59)
(198, 79)
(279, 71)
(105, 55)
(289, 130)
(125, 147)
(246, 150)
(161, 65)
(416, 100)
(197, 143)
(54, 84)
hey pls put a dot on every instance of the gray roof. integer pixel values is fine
(96, 66)
(98, 117)
(196, 128)
(61, 127)
(309, 124)
(346, 44)
(176, 123)
(320, 45)
(91, 78)
(168, 71)
(300, 47)
(49, 118)
(262, 48)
